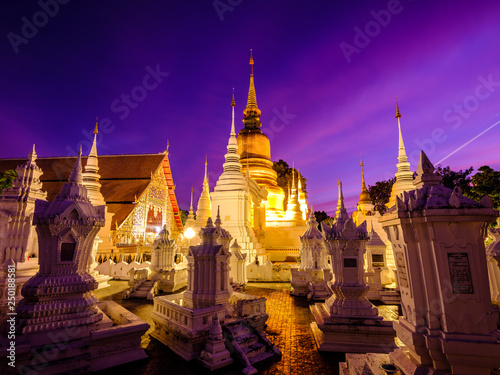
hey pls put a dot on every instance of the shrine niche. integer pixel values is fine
(154, 219)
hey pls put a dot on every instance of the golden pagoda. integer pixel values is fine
(364, 196)
(255, 153)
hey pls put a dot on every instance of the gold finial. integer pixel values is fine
(96, 122)
(191, 204)
(251, 63)
(363, 183)
(398, 114)
(168, 145)
(233, 104)
(364, 197)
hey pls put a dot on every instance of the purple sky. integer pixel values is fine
(439, 58)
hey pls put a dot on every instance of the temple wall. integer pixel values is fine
(283, 243)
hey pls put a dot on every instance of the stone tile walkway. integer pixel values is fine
(287, 328)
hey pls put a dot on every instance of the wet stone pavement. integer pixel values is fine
(288, 328)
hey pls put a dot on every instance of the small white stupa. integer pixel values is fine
(347, 321)
(404, 176)
(313, 275)
(18, 238)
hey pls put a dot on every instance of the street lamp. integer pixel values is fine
(189, 233)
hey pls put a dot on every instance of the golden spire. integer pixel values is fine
(364, 197)
(92, 161)
(402, 153)
(404, 176)
(251, 114)
(398, 114)
(206, 174)
(252, 97)
(233, 104)
(251, 62)
(363, 184)
(191, 205)
(190, 217)
(204, 209)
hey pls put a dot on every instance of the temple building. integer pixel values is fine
(138, 190)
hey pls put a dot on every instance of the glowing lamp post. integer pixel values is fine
(189, 233)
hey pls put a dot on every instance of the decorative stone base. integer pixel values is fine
(103, 280)
(370, 364)
(456, 353)
(212, 366)
(299, 290)
(173, 281)
(113, 341)
(183, 330)
(351, 335)
(313, 291)
(397, 362)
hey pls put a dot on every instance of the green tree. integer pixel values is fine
(380, 193)
(284, 179)
(323, 216)
(485, 182)
(184, 216)
(6, 179)
(452, 179)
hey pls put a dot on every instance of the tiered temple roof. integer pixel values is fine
(123, 179)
